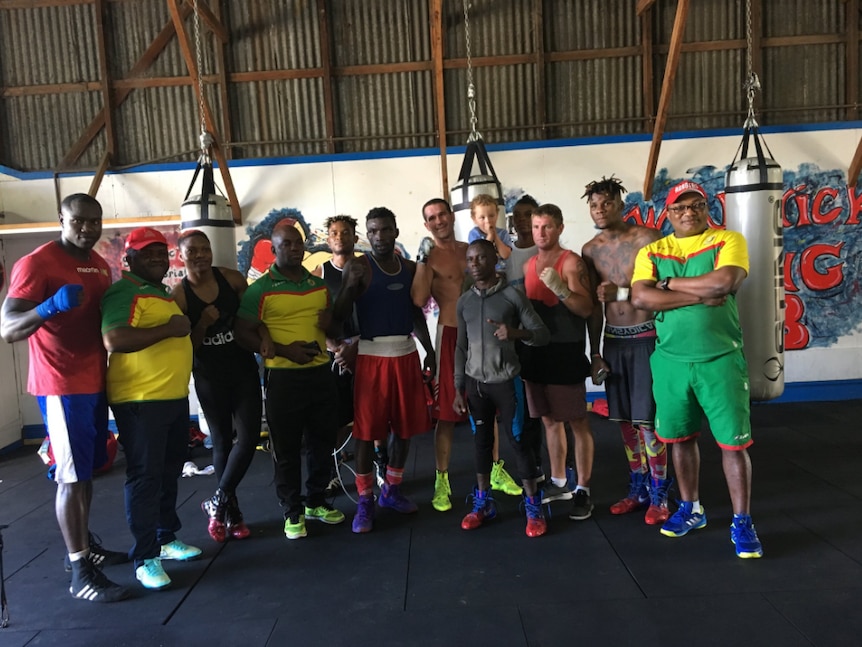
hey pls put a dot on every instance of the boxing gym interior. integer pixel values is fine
(262, 111)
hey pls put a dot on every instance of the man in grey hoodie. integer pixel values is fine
(492, 316)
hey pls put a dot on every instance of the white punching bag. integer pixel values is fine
(753, 192)
(469, 186)
(209, 212)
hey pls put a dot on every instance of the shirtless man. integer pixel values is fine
(629, 341)
(441, 267)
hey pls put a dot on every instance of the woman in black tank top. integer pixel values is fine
(227, 380)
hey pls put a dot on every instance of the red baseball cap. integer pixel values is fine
(686, 186)
(143, 237)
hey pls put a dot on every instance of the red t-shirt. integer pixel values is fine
(66, 354)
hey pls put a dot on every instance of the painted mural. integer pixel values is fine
(255, 253)
(822, 245)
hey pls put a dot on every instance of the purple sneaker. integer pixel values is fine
(363, 521)
(391, 497)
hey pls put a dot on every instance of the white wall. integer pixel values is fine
(553, 174)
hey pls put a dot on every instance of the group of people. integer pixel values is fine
(510, 355)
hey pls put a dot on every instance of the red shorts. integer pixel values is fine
(447, 337)
(388, 395)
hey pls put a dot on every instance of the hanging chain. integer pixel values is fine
(752, 83)
(471, 88)
(206, 139)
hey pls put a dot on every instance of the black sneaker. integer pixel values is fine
(582, 507)
(99, 556)
(90, 584)
(553, 492)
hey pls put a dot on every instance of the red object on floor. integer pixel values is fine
(600, 407)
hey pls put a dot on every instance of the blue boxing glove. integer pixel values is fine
(63, 300)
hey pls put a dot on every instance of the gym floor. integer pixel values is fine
(421, 580)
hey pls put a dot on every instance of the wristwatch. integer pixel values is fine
(664, 284)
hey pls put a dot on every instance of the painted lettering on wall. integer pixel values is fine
(822, 245)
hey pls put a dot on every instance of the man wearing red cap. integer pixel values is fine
(691, 278)
(53, 302)
(148, 386)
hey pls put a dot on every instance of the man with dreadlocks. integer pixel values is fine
(629, 340)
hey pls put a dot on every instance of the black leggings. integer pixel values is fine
(231, 403)
(486, 401)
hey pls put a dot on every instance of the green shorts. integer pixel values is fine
(686, 391)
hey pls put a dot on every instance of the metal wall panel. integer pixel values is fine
(375, 110)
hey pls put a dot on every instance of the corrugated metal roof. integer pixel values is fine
(50, 86)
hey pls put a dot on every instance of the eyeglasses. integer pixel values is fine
(679, 209)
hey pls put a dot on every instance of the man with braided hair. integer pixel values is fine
(629, 340)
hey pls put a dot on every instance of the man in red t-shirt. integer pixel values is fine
(53, 302)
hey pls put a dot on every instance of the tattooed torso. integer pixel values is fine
(612, 256)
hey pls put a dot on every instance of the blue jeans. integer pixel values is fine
(154, 437)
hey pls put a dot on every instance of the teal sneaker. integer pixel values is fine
(152, 575)
(294, 526)
(744, 537)
(684, 520)
(325, 513)
(179, 551)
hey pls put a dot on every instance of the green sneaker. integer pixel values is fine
(440, 501)
(502, 481)
(294, 526)
(325, 513)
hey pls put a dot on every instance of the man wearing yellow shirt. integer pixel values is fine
(690, 280)
(148, 386)
(301, 394)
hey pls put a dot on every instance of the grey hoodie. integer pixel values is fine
(478, 353)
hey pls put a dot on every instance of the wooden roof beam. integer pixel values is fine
(666, 93)
(326, 65)
(100, 16)
(218, 151)
(210, 20)
(435, 20)
(145, 61)
(643, 6)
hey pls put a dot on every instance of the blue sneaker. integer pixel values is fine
(179, 551)
(684, 520)
(363, 521)
(391, 497)
(744, 537)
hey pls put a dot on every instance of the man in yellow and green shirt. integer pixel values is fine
(301, 392)
(690, 280)
(148, 387)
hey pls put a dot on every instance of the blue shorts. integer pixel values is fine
(78, 429)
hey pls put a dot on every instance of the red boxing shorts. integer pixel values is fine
(447, 336)
(389, 394)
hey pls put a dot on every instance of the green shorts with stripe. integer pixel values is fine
(686, 391)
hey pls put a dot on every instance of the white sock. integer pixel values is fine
(81, 554)
(558, 482)
(585, 489)
(695, 507)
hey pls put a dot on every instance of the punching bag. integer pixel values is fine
(469, 186)
(210, 213)
(753, 192)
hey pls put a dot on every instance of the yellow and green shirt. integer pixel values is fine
(158, 372)
(696, 333)
(290, 310)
